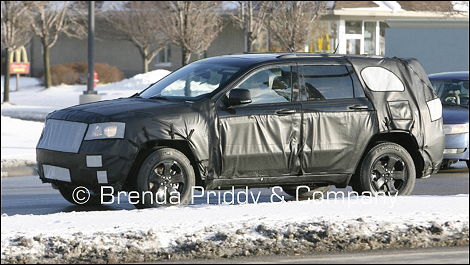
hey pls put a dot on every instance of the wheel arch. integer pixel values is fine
(147, 148)
(403, 139)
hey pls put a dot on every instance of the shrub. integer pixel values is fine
(71, 73)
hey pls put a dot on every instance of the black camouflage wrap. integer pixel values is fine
(407, 110)
(262, 145)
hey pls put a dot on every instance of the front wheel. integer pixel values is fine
(387, 168)
(165, 178)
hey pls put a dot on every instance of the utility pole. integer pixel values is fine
(90, 95)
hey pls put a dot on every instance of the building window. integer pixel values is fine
(163, 58)
(382, 39)
(370, 32)
(353, 27)
(325, 37)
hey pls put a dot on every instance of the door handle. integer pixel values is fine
(286, 111)
(359, 107)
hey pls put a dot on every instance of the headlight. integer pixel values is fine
(105, 130)
(455, 128)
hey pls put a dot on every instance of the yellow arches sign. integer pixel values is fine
(19, 61)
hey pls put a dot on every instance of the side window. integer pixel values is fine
(272, 85)
(327, 82)
(358, 90)
(381, 80)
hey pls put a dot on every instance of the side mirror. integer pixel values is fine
(238, 97)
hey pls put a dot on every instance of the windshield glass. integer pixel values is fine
(192, 81)
(452, 92)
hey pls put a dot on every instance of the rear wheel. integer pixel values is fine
(305, 193)
(387, 168)
(164, 179)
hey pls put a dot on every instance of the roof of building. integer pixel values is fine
(438, 6)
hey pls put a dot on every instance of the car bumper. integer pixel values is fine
(98, 163)
(457, 146)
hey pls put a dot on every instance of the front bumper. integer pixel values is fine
(98, 163)
(458, 144)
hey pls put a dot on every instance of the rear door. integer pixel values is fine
(338, 120)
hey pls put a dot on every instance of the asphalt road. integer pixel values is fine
(27, 195)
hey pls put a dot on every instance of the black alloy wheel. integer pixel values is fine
(389, 174)
(165, 178)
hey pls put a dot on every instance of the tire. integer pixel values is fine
(388, 168)
(164, 172)
(303, 193)
(67, 192)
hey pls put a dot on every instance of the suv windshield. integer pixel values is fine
(192, 81)
(452, 92)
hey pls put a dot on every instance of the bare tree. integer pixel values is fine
(250, 17)
(293, 23)
(138, 23)
(192, 25)
(16, 32)
(53, 18)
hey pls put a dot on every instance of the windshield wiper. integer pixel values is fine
(136, 95)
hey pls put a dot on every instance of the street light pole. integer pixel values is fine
(90, 95)
(91, 46)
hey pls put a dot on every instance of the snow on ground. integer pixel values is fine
(209, 231)
(33, 102)
(63, 96)
(19, 139)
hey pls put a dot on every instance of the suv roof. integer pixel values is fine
(281, 55)
(252, 58)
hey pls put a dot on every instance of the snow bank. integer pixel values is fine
(214, 231)
(137, 82)
(19, 139)
(63, 96)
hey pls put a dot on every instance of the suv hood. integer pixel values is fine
(454, 115)
(117, 109)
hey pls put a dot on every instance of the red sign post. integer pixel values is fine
(19, 64)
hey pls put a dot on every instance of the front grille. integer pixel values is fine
(63, 136)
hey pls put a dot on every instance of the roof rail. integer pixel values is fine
(297, 55)
(270, 52)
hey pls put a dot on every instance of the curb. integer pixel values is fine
(26, 170)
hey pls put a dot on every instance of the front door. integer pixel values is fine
(262, 138)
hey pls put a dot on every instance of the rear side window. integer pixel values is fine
(381, 80)
(322, 82)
